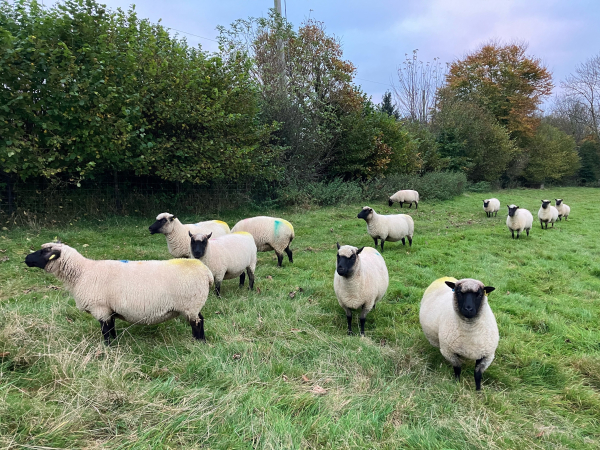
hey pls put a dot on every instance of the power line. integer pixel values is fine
(378, 82)
(191, 34)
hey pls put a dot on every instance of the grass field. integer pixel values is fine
(255, 384)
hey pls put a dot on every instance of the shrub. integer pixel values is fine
(432, 185)
(321, 193)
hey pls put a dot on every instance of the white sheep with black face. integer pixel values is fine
(518, 219)
(491, 206)
(392, 228)
(227, 256)
(140, 292)
(177, 233)
(270, 233)
(563, 209)
(456, 317)
(405, 196)
(547, 213)
(360, 281)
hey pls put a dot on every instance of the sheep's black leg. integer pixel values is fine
(382, 242)
(198, 328)
(478, 375)
(541, 224)
(279, 259)
(401, 203)
(457, 371)
(375, 240)
(349, 319)
(288, 252)
(362, 319)
(250, 278)
(242, 279)
(416, 205)
(218, 288)
(527, 231)
(410, 205)
(410, 241)
(113, 328)
(403, 241)
(106, 326)
(513, 234)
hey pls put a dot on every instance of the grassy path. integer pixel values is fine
(254, 384)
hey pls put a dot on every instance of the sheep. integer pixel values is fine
(270, 233)
(146, 292)
(394, 227)
(491, 206)
(227, 256)
(563, 209)
(518, 220)
(176, 233)
(547, 213)
(406, 196)
(456, 317)
(360, 281)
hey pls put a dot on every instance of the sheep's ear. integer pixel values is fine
(488, 289)
(208, 236)
(450, 284)
(360, 250)
(518, 207)
(172, 218)
(190, 233)
(55, 254)
(338, 245)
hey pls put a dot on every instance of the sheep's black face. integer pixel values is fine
(512, 210)
(390, 202)
(468, 302)
(486, 203)
(558, 201)
(545, 203)
(199, 247)
(345, 265)
(156, 226)
(42, 257)
(365, 213)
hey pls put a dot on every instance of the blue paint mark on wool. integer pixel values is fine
(277, 226)
(124, 260)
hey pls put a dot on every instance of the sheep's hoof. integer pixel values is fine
(350, 333)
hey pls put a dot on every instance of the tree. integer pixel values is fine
(88, 91)
(388, 107)
(570, 116)
(589, 153)
(583, 89)
(307, 90)
(506, 82)
(552, 156)
(471, 140)
(418, 83)
(371, 144)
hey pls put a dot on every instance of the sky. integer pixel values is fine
(377, 35)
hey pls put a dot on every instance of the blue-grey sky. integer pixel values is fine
(377, 34)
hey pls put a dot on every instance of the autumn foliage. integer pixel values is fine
(506, 81)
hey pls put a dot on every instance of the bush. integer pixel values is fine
(482, 186)
(432, 185)
(320, 193)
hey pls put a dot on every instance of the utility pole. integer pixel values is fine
(280, 48)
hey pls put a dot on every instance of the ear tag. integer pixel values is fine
(52, 257)
(452, 290)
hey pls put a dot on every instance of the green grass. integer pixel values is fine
(250, 385)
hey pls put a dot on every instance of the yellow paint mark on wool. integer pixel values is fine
(288, 224)
(223, 224)
(436, 284)
(241, 232)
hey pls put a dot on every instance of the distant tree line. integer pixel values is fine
(88, 93)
